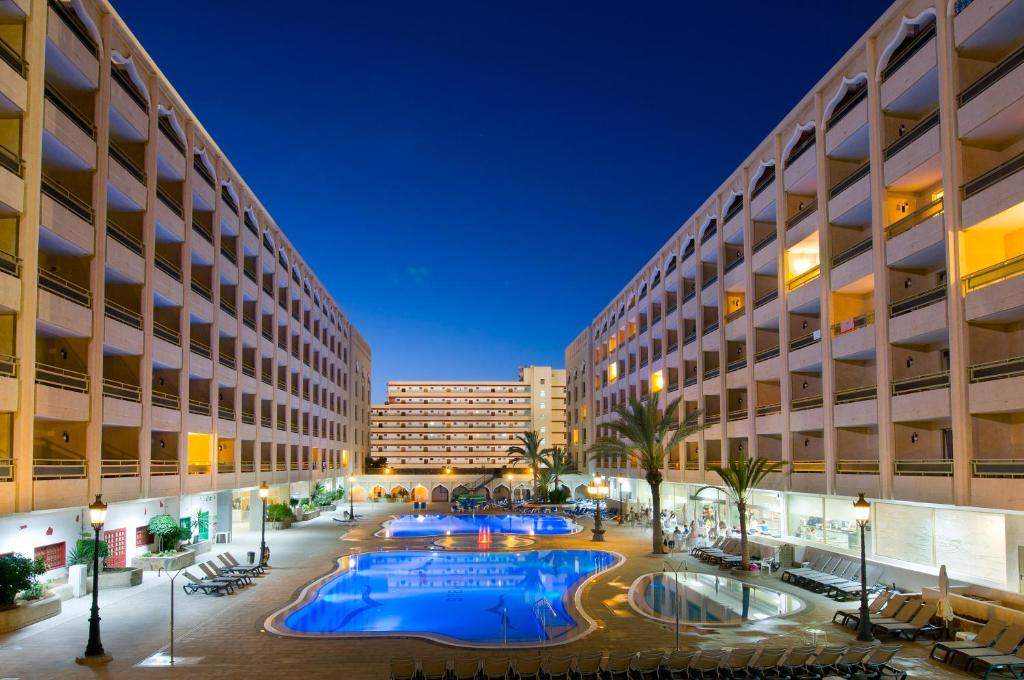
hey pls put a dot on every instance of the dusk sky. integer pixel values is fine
(460, 174)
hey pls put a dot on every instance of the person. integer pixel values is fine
(677, 536)
(693, 527)
(691, 538)
(723, 528)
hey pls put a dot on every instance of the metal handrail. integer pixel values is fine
(250, 225)
(710, 328)
(59, 193)
(993, 176)
(764, 181)
(169, 133)
(228, 255)
(117, 312)
(266, 378)
(167, 334)
(908, 137)
(804, 341)
(766, 297)
(919, 301)
(766, 354)
(708, 234)
(915, 218)
(121, 390)
(199, 347)
(202, 290)
(9, 366)
(249, 370)
(857, 467)
(169, 201)
(1015, 59)
(735, 314)
(803, 466)
(227, 360)
(58, 468)
(167, 267)
(225, 412)
(6, 469)
(74, 24)
(735, 365)
(124, 238)
(199, 468)
(1007, 468)
(249, 323)
(1011, 367)
(127, 163)
(712, 373)
(852, 98)
(166, 400)
(737, 414)
(858, 322)
(10, 263)
(68, 290)
(203, 172)
(798, 150)
(64, 105)
(923, 467)
(768, 409)
(852, 252)
(119, 468)
(806, 277)
(689, 296)
(805, 403)
(9, 158)
(712, 418)
(734, 210)
(708, 282)
(197, 407)
(163, 467)
(203, 231)
(763, 243)
(905, 51)
(735, 263)
(921, 383)
(993, 274)
(226, 305)
(798, 217)
(121, 77)
(842, 185)
(854, 394)
(226, 195)
(63, 378)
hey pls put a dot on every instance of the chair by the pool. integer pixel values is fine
(1007, 663)
(403, 669)
(195, 584)
(678, 663)
(212, 577)
(892, 607)
(819, 562)
(768, 664)
(906, 613)
(1006, 644)
(261, 566)
(874, 607)
(706, 664)
(796, 662)
(496, 668)
(919, 625)
(556, 667)
(617, 666)
(232, 566)
(528, 668)
(646, 665)
(988, 634)
(735, 663)
(878, 664)
(826, 660)
(588, 666)
(465, 668)
(434, 668)
(211, 570)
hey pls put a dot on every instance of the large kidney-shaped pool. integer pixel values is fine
(409, 526)
(469, 598)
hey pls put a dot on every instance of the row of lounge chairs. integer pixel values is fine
(901, 615)
(223, 579)
(835, 577)
(727, 553)
(751, 663)
(997, 648)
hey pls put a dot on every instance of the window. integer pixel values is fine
(142, 536)
(54, 555)
(543, 429)
(542, 393)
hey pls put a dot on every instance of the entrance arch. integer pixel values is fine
(460, 490)
(419, 493)
(580, 491)
(398, 491)
(358, 493)
(439, 494)
(377, 491)
(501, 492)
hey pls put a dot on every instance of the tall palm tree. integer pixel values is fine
(557, 463)
(645, 437)
(740, 477)
(530, 452)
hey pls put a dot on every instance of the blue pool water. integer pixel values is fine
(457, 597)
(407, 526)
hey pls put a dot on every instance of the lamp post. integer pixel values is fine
(351, 499)
(862, 512)
(94, 653)
(263, 492)
(598, 489)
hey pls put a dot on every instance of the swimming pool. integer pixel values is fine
(410, 526)
(707, 599)
(481, 599)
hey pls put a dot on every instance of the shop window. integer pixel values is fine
(806, 517)
(54, 555)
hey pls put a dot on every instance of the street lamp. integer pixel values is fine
(94, 653)
(862, 513)
(351, 498)
(598, 489)
(263, 492)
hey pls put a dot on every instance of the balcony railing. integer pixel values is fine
(249, 323)
(923, 467)
(121, 77)
(250, 225)
(735, 314)
(11, 159)
(203, 172)
(994, 274)
(8, 366)
(119, 468)
(122, 158)
(169, 133)
(852, 252)
(200, 408)
(738, 414)
(931, 381)
(768, 409)
(710, 328)
(121, 390)
(227, 360)
(735, 263)
(124, 238)
(228, 255)
(806, 277)
(851, 179)
(799, 216)
(59, 193)
(799, 149)
(1015, 59)
(709, 281)
(63, 288)
(804, 341)
(199, 468)
(201, 290)
(919, 301)
(225, 412)
(690, 249)
(764, 181)
(266, 421)
(117, 312)
(712, 419)
(806, 403)
(228, 308)
(765, 242)
(846, 105)
(735, 365)
(857, 467)
(689, 296)
(266, 378)
(6, 469)
(63, 378)
(163, 467)
(267, 333)
(914, 133)
(168, 200)
(64, 105)
(766, 297)
(905, 51)
(199, 347)
(692, 380)
(205, 233)
(226, 195)
(850, 325)
(734, 209)
(167, 267)
(915, 218)
(58, 468)
(711, 373)
(993, 176)
(708, 234)
(1005, 468)
(166, 334)
(807, 466)
(766, 354)
(997, 370)
(166, 400)
(848, 396)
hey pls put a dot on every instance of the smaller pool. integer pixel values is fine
(408, 526)
(706, 599)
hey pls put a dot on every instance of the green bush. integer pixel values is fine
(84, 550)
(185, 534)
(17, 573)
(34, 592)
(279, 512)
(167, 531)
(560, 495)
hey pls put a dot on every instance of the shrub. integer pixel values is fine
(17, 573)
(279, 512)
(84, 550)
(560, 495)
(167, 532)
(34, 592)
(185, 534)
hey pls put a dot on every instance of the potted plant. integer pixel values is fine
(18, 575)
(84, 553)
(279, 516)
(169, 554)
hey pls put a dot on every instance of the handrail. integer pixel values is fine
(737, 414)
(842, 185)
(805, 403)
(805, 340)
(68, 290)
(690, 249)
(848, 396)
(165, 127)
(990, 177)
(712, 373)
(857, 467)
(710, 328)
(763, 243)
(708, 282)
(768, 409)
(166, 400)
(202, 231)
(169, 201)
(708, 234)
(74, 24)
(250, 225)
(249, 323)
(692, 380)
(203, 172)
(857, 322)
(996, 370)
(226, 195)
(228, 255)
(63, 378)
(798, 217)
(121, 77)
(690, 337)
(1007, 468)
(249, 370)
(58, 468)
(64, 105)
(921, 383)
(914, 302)
(228, 307)
(729, 266)
(225, 359)
(200, 348)
(735, 365)
(803, 466)
(200, 408)
(249, 275)
(908, 137)
(167, 334)
(121, 390)
(915, 218)
(9, 158)
(1015, 59)
(905, 51)
(13, 59)
(127, 163)
(121, 313)
(766, 354)
(734, 209)
(852, 252)
(798, 149)
(124, 238)
(764, 181)
(806, 277)
(202, 290)
(6, 469)
(10, 263)
(712, 418)
(163, 467)
(8, 366)
(993, 274)
(735, 314)
(923, 467)
(766, 297)
(225, 412)
(59, 193)
(167, 267)
(689, 296)
(853, 97)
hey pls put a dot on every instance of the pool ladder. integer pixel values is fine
(545, 614)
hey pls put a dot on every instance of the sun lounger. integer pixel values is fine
(211, 570)
(1012, 664)
(678, 664)
(707, 663)
(877, 664)
(403, 669)
(557, 668)
(435, 668)
(465, 668)
(229, 568)
(893, 607)
(1006, 644)
(617, 666)
(496, 668)
(228, 558)
(920, 624)
(646, 665)
(988, 634)
(195, 584)
(528, 669)
(588, 666)
(873, 608)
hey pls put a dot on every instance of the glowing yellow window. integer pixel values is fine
(612, 343)
(584, 411)
(657, 381)
(575, 436)
(613, 372)
(632, 328)
(803, 261)
(992, 250)
(344, 456)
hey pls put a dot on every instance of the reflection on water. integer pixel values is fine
(406, 526)
(709, 599)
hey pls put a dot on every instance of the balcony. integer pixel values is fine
(202, 290)
(229, 200)
(804, 341)
(913, 160)
(76, 52)
(200, 348)
(992, 192)
(920, 318)
(57, 468)
(923, 467)
(931, 381)
(799, 216)
(806, 403)
(807, 466)
(994, 292)
(996, 386)
(1003, 468)
(850, 253)
(857, 467)
(169, 201)
(924, 397)
(918, 233)
(989, 107)
(69, 135)
(199, 408)
(910, 68)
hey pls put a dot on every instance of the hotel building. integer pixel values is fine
(466, 426)
(163, 343)
(850, 301)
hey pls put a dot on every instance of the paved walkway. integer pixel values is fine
(226, 632)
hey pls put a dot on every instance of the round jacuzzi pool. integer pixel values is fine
(708, 600)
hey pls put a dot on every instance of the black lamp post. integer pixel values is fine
(351, 498)
(94, 653)
(264, 491)
(598, 489)
(862, 512)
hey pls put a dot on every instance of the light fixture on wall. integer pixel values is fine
(805, 385)
(160, 381)
(913, 438)
(65, 437)
(163, 444)
(910, 361)
(807, 442)
(907, 283)
(63, 354)
(804, 324)
(740, 447)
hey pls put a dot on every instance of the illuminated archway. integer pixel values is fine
(419, 493)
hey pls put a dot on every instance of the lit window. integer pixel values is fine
(543, 405)
(584, 410)
(657, 381)
(543, 429)
(613, 372)
(542, 393)
(611, 343)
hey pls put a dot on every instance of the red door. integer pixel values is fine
(115, 539)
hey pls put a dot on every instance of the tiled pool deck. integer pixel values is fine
(227, 633)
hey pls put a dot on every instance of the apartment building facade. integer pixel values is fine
(163, 343)
(849, 301)
(462, 426)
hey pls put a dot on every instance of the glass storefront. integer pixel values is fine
(805, 517)
(764, 514)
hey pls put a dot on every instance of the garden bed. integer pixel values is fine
(25, 613)
(180, 560)
(119, 577)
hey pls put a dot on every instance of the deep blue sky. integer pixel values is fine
(461, 174)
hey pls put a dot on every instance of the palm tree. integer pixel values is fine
(740, 477)
(643, 437)
(530, 452)
(557, 464)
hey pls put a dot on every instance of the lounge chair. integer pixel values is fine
(826, 661)
(1008, 663)
(434, 668)
(821, 564)
(846, 589)
(211, 570)
(617, 666)
(646, 665)
(195, 584)
(1006, 644)
(231, 565)
(706, 665)
(496, 668)
(920, 624)
(403, 669)
(896, 607)
(588, 666)
(853, 657)
(678, 663)
(877, 664)
(768, 664)
(262, 566)
(465, 668)
(988, 634)
(735, 663)
(556, 668)
(797, 660)
(874, 607)
(528, 668)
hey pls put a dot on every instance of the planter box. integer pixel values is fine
(330, 507)
(183, 559)
(27, 613)
(306, 516)
(279, 525)
(119, 577)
